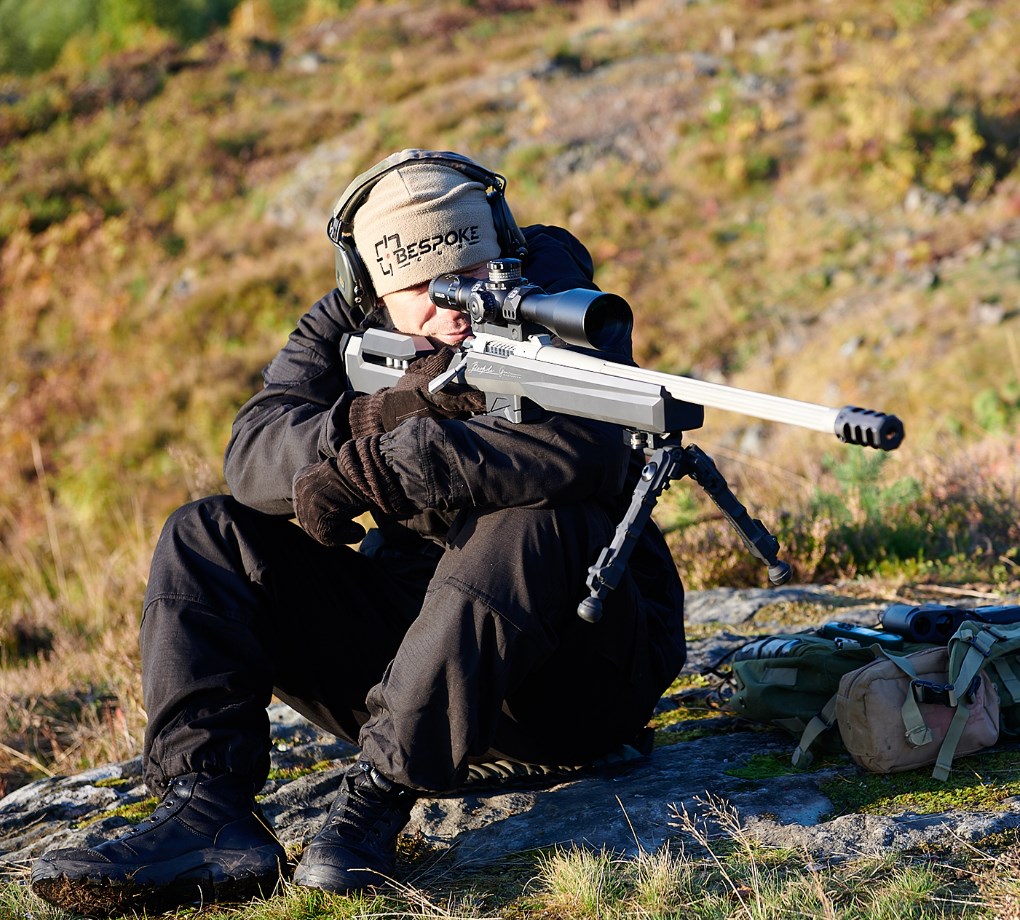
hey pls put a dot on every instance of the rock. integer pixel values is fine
(636, 804)
(310, 190)
(852, 836)
(632, 807)
(62, 811)
(734, 606)
(987, 313)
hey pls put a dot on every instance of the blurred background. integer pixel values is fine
(815, 199)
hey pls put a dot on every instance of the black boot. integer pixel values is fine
(357, 846)
(206, 841)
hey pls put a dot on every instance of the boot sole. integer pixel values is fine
(197, 878)
(338, 881)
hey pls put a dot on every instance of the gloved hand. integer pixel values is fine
(325, 504)
(330, 493)
(410, 398)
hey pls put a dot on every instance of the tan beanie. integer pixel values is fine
(420, 221)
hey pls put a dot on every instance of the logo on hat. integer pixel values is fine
(391, 254)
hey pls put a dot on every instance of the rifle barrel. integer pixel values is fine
(746, 402)
(851, 424)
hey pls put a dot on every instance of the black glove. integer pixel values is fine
(410, 398)
(330, 493)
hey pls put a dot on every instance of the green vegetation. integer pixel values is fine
(712, 871)
(763, 766)
(719, 872)
(291, 773)
(132, 812)
(36, 34)
(979, 783)
(819, 201)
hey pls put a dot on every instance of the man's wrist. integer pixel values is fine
(366, 471)
(365, 415)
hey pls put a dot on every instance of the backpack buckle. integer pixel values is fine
(927, 691)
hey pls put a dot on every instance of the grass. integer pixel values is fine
(985, 783)
(927, 518)
(711, 870)
(818, 202)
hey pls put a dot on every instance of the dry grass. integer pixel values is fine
(69, 663)
(817, 201)
(913, 517)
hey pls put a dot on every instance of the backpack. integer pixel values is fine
(788, 680)
(794, 682)
(902, 712)
(992, 649)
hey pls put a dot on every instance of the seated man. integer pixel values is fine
(451, 634)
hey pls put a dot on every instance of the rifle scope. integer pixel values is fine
(591, 319)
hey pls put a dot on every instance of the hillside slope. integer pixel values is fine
(819, 200)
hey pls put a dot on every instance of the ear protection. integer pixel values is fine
(352, 277)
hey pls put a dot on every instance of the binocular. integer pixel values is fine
(937, 622)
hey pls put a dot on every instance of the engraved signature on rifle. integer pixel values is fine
(491, 370)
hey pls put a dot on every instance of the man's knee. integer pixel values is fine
(208, 542)
(204, 520)
(200, 530)
(540, 548)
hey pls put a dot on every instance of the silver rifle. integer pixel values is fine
(533, 352)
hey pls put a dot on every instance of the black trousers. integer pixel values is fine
(425, 659)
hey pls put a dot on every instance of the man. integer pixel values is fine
(449, 636)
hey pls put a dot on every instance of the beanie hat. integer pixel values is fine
(420, 221)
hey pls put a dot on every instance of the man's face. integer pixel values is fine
(414, 313)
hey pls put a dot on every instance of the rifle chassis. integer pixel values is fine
(530, 352)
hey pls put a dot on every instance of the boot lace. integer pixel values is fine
(363, 804)
(160, 813)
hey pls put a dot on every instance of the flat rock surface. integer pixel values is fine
(633, 805)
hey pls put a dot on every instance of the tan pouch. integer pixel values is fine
(895, 712)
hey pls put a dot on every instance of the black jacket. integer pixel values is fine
(300, 417)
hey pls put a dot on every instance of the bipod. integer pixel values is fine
(668, 461)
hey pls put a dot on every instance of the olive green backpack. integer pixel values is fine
(787, 680)
(791, 681)
(993, 649)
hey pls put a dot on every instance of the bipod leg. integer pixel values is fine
(665, 464)
(756, 537)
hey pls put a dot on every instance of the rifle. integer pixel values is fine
(531, 351)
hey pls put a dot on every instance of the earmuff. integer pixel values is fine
(352, 277)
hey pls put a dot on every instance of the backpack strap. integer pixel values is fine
(979, 642)
(914, 726)
(1008, 677)
(818, 725)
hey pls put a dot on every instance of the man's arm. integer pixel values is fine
(488, 462)
(424, 471)
(300, 415)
